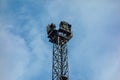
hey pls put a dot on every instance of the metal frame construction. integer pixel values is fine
(59, 38)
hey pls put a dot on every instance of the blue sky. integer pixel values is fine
(94, 50)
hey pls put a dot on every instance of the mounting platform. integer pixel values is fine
(64, 32)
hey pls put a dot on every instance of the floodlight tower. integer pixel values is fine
(59, 38)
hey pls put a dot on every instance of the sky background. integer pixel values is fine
(94, 50)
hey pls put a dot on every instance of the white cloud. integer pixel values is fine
(108, 67)
(22, 50)
(14, 55)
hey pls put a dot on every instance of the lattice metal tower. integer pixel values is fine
(59, 38)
